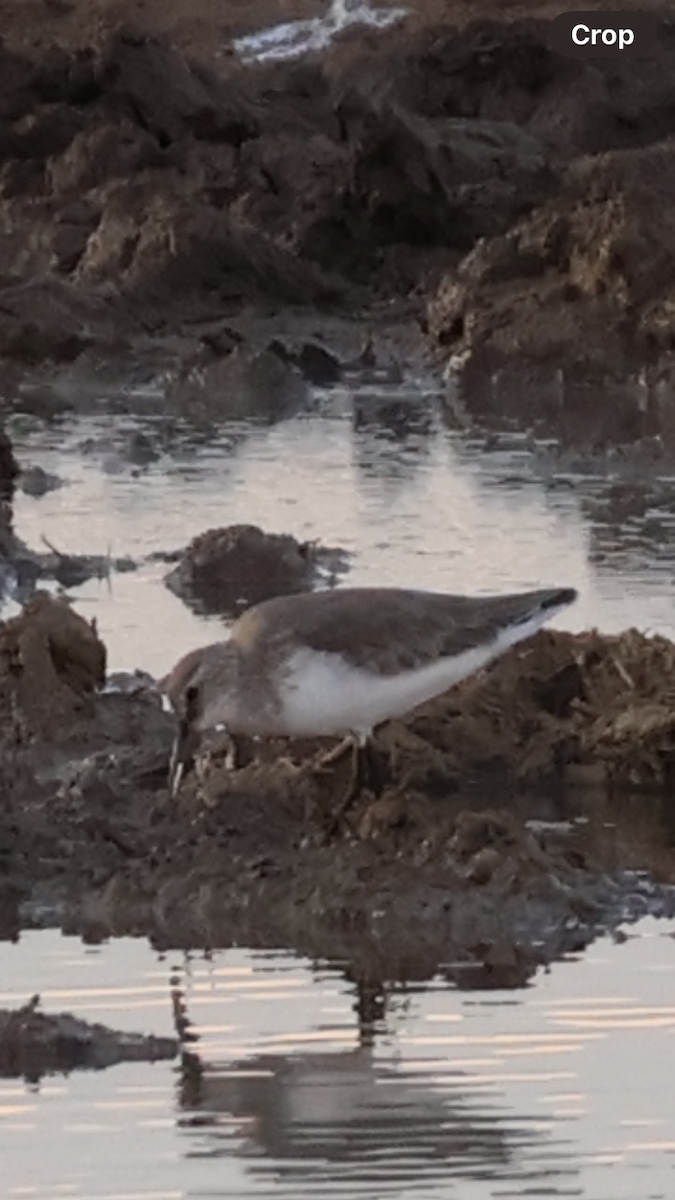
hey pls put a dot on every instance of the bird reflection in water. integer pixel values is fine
(320, 1117)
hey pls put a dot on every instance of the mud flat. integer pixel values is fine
(450, 188)
(459, 861)
(227, 570)
(448, 185)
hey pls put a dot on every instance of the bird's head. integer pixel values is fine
(201, 690)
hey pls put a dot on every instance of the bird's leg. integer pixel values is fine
(185, 743)
(184, 755)
(334, 755)
(372, 774)
(233, 753)
(366, 774)
(360, 775)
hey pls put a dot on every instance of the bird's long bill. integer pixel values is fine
(182, 757)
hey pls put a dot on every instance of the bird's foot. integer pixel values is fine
(189, 757)
(326, 761)
(368, 774)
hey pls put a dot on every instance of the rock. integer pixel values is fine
(174, 254)
(28, 344)
(227, 570)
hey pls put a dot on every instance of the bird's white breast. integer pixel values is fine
(325, 695)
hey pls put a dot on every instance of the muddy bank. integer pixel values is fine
(227, 570)
(34, 1043)
(489, 845)
(452, 173)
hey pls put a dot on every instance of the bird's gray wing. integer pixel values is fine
(390, 629)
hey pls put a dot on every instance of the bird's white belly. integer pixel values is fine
(324, 695)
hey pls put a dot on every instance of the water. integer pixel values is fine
(295, 38)
(377, 473)
(563, 1089)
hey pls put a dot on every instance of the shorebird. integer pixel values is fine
(339, 663)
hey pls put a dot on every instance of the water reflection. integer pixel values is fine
(394, 415)
(392, 439)
(632, 526)
(571, 406)
(285, 1090)
(327, 1116)
(323, 1118)
(373, 469)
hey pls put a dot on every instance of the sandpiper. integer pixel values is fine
(339, 663)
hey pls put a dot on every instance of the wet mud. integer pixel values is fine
(34, 1043)
(227, 570)
(458, 860)
(449, 190)
(449, 178)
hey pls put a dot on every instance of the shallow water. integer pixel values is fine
(562, 1089)
(376, 472)
(293, 39)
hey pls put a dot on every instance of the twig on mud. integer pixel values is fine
(52, 548)
(99, 565)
